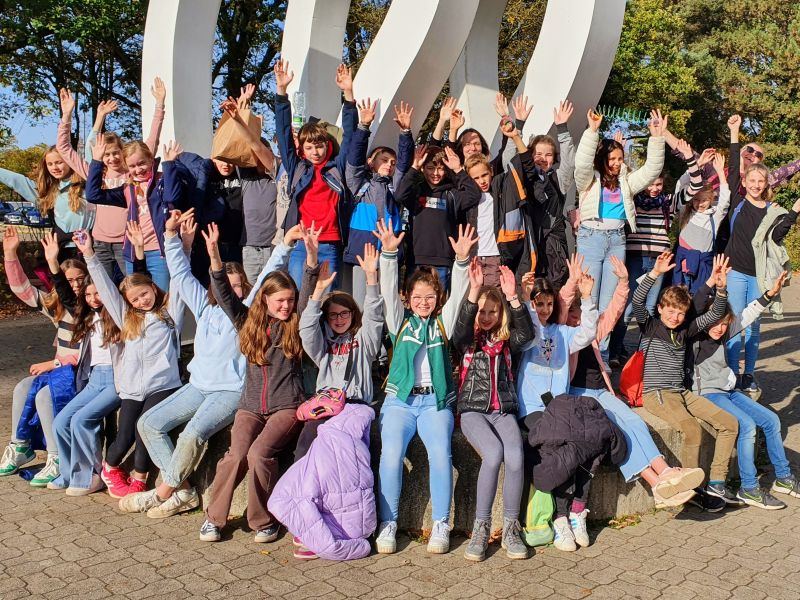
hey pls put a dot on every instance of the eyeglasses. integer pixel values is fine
(757, 153)
(78, 280)
(345, 314)
(421, 299)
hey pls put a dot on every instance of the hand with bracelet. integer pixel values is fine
(508, 284)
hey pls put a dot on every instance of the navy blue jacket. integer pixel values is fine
(164, 193)
(300, 171)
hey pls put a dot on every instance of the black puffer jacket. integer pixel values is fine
(573, 431)
(476, 393)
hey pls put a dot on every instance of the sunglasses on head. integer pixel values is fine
(757, 153)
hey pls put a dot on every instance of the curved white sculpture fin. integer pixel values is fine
(178, 46)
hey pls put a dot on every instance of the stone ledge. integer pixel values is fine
(610, 496)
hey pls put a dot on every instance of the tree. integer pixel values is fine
(20, 161)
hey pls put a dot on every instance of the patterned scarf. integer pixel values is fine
(491, 348)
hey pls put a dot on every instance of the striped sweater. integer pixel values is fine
(665, 348)
(700, 232)
(66, 352)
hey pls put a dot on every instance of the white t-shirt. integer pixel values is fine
(100, 355)
(487, 245)
(422, 368)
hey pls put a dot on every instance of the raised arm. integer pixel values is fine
(388, 274)
(405, 142)
(63, 141)
(373, 318)
(587, 330)
(17, 280)
(566, 152)
(283, 118)
(463, 334)
(263, 152)
(467, 238)
(192, 292)
(94, 182)
(109, 292)
(357, 173)
(584, 155)
(24, 186)
(159, 92)
(654, 164)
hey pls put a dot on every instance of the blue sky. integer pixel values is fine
(29, 133)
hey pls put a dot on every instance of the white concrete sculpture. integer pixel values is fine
(419, 45)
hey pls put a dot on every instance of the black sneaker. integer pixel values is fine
(760, 498)
(748, 383)
(707, 502)
(720, 490)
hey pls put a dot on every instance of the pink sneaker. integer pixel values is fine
(116, 480)
(135, 486)
(303, 553)
(296, 541)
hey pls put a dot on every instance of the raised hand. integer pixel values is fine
(366, 111)
(420, 154)
(522, 110)
(457, 120)
(67, 104)
(174, 219)
(508, 128)
(467, 238)
(734, 123)
(575, 267)
(563, 112)
(295, 234)
(527, 284)
(446, 110)
(311, 241)
(594, 120)
(159, 91)
(389, 241)
(451, 160)
(134, 234)
(245, 96)
(326, 277)
(619, 137)
(106, 107)
(188, 229)
(475, 272)
(685, 149)
(585, 285)
(10, 241)
(369, 263)
(778, 285)
(508, 284)
(501, 105)
(719, 166)
(99, 148)
(344, 81)
(658, 123)
(50, 245)
(619, 269)
(720, 270)
(230, 107)
(172, 150)
(283, 76)
(402, 116)
(663, 264)
(83, 241)
(706, 157)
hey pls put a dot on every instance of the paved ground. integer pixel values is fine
(53, 546)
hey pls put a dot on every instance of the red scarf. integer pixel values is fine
(492, 348)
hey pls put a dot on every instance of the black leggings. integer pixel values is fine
(307, 435)
(575, 488)
(129, 414)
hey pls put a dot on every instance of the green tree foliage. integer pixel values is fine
(19, 161)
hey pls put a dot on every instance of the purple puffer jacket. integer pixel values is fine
(326, 498)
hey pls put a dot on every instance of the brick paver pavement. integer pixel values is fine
(53, 546)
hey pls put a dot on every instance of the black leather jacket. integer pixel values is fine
(475, 394)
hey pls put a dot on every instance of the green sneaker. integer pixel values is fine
(14, 456)
(48, 474)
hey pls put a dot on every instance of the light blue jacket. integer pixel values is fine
(218, 364)
(544, 366)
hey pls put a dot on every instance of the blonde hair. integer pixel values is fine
(676, 296)
(254, 331)
(766, 195)
(502, 329)
(134, 318)
(48, 186)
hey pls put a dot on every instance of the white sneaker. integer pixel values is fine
(48, 474)
(95, 486)
(139, 502)
(577, 522)
(180, 501)
(14, 456)
(386, 540)
(439, 542)
(564, 539)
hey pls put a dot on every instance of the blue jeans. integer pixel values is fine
(205, 413)
(750, 415)
(637, 265)
(742, 290)
(642, 449)
(597, 247)
(330, 251)
(157, 265)
(398, 422)
(77, 428)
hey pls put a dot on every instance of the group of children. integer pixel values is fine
(455, 261)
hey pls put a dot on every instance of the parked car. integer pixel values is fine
(34, 218)
(5, 208)
(15, 217)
